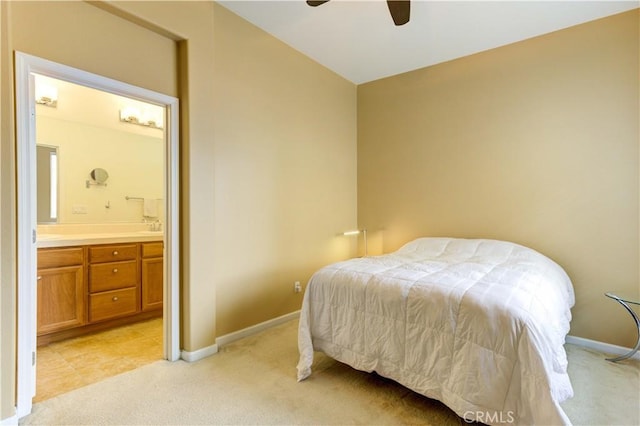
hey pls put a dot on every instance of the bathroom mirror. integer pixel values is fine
(103, 161)
(106, 167)
(99, 176)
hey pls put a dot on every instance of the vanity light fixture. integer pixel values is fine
(130, 115)
(358, 232)
(145, 118)
(46, 95)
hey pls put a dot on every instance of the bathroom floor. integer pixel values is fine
(71, 364)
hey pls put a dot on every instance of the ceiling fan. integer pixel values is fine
(399, 9)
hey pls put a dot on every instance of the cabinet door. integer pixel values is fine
(152, 283)
(60, 299)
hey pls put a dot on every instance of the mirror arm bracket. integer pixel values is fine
(89, 183)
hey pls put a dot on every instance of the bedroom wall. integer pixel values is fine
(535, 142)
(285, 171)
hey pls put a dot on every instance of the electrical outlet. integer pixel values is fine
(79, 209)
(297, 288)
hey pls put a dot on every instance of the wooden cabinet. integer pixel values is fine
(94, 287)
(152, 275)
(113, 281)
(60, 289)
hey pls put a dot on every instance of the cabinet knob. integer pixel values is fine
(115, 298)
(39, 277)
(115, 252)
(115, 270)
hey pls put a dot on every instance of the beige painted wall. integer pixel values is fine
(535, 142)
(285, 171)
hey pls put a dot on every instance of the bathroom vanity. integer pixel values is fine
(107, 281)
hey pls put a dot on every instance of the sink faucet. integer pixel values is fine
(154, 225)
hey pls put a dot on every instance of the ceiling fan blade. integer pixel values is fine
(400, 11)
(316, 3)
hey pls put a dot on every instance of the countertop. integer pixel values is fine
(66, 240)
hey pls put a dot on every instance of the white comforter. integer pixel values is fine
(476, 324)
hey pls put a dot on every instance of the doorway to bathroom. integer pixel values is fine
(98, 235)
(99, 186)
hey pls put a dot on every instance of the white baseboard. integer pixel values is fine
(199, 354)
(9, 421)
(231, 337)
(606, 348)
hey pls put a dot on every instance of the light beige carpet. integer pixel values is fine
(253, 381)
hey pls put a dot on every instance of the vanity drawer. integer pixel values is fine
(112, 276)
(111, 304)
(152, 249)
(112, 253)
(59, 257)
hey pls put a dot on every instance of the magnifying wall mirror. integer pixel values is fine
(99, 176)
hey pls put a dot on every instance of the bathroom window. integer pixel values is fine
(47, 182)
(53, 186)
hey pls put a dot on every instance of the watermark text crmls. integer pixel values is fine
(495, 417)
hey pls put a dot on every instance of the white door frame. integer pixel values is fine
(25, 65)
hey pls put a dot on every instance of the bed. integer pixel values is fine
(477, 324)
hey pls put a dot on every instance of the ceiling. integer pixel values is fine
(358, 40)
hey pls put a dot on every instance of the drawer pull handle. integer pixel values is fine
(115, 298)
(115, 252)
(115, 270)
(39, 277)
